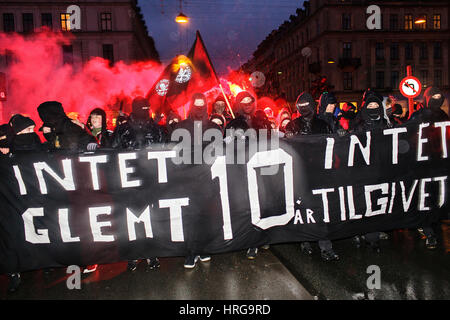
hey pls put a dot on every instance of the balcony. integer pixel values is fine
(349, 64)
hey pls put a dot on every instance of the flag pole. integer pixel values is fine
(215, 74)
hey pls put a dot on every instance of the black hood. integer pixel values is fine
(97, 111)
(306, 106)
(239, 106)
(196, 112)
(18, 122)
(140, 108)
(433, 103)
(369, 115)
(51, 113)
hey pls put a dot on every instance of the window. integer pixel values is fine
(348, 81)
(46, 20)
(346, 21)
(423, 51)
(65, 21)
(436, 21)
(379, 79)
(437, 51)
(408, 22)
(28, 23)
(67, 54)
(108, 53)
(395, 79)
(408, 51)
(437, 78)
(393, 22)
(422, 26)
(347, 50)
(105, 21)
(394, 51)
(424, 77)
(8, 22)
(379, 51)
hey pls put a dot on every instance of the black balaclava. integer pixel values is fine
(431, 103)
(26, 141)
(240, 106)
(372, 115)
(219, 98)
(198, 113)
(325, 99)
(52, 114)
(306, 106)
(19, 122)
(140, 108)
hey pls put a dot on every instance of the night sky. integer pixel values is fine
(231, 29)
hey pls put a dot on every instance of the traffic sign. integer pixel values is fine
(410, 87)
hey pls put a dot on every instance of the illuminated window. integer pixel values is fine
(106, 21)
(8, 22)
(408, 22)
(422, 25)
(65, 21)
(436, 21)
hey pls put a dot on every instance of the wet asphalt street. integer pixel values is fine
(408, 271)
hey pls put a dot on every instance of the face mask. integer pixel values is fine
(435, 103)
(373, 114)
(306, 112)
(27, 139)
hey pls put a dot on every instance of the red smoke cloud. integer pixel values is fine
(37, 74)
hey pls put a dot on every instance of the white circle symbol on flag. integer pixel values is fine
(162, 87)
(184, 74)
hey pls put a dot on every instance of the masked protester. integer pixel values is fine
(6, 135)
(25, 139)
(96, 124)
(139, 131)
(431, 111)
(307, 124)
(172, 119)
(283, 119)
(219, 120)
(344, 114)
(197, 123)
(327, 107)
(371, 116)
(60, 132)
(220, 107)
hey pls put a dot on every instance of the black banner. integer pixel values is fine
(60, 209)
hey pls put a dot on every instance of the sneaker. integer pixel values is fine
(14, 282)
(132, 265)
(90, 268)
(205, 258)
(266, 246)
(252, 253)
(190, 262)
(306, 248)
(431, 242)
(329, 255)
(152, 264)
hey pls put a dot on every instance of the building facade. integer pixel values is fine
(331, 39)
(114, 30)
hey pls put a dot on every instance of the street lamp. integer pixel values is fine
(420, 20)
(181, 18)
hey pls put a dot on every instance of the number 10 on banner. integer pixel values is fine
(260, 159)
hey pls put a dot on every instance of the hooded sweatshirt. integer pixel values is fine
(432, 111)
(368, 119)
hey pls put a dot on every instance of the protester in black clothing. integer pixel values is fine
(25, 139)
(197, 123)
(431, 111)
(96, 124)
(60, 132)
(140, 131)
(396, 115)
(220, 107)
(306, 124)
(371, 116)
(219, 120)
(6, 136)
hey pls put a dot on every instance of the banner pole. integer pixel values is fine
(226, 99)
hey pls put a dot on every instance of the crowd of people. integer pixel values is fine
(139, 130)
